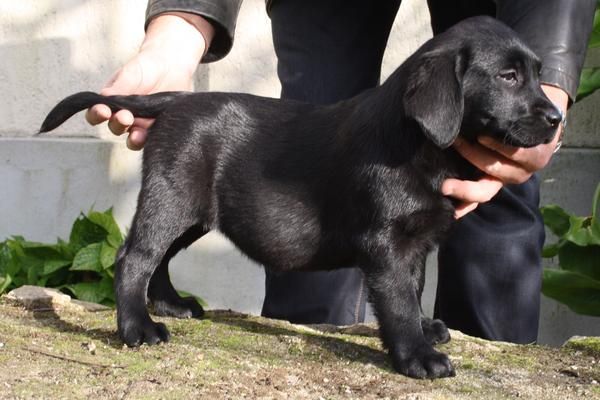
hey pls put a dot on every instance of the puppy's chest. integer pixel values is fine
(397, 191)
(425, 171)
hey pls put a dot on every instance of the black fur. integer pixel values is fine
(299, 186)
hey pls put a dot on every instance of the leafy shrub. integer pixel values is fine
(82, 267)
(576, 282)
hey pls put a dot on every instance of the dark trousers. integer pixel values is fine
(489, 269)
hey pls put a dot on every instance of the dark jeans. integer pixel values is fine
(490, 268)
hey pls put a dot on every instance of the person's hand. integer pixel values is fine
(502, 164)
(172, 49)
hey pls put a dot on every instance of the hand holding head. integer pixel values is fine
(502, 164)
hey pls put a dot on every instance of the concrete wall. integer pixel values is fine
(52, 48)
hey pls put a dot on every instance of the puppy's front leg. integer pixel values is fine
(394, 295)
(434, 330)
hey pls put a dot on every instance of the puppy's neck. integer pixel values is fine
(377, 121)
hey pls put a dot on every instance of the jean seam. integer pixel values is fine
(359, 300)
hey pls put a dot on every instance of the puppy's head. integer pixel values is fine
(479, 78)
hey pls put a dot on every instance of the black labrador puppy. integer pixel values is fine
(297, 186)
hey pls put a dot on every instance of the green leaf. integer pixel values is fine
(556, 219)
(14, 244)
(595, 224)
(5, 282)
(51, 266)
(588, 82)
(65, 249)
(86, 291)
(95, 292)
(584, 260)
(107, 255)
(107, 222)
(200, 300)
(580, 231)
(6, 258)
(594, 230)
(85, 232)
(19, 280)
(590, 77)
(595, 36)
(10, 259)
(88, 259)
(106, 287)
(46, 258)
(596, 203)
(11, 273)
(581, 294)
(551, 250)
(42, 281)
(34, 267)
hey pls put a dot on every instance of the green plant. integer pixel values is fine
(83, 266)
(590, 77)
(576, 282)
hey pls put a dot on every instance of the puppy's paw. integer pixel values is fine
(435, 331)
(135, 334)
(183, 307)
(424, 363)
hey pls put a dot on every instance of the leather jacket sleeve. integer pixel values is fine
(557, 30)
(221, 13)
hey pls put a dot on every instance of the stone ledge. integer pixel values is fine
(35, 298)
(233, 355)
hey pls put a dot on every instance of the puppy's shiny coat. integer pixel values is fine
(300, 186)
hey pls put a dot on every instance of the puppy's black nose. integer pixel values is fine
(553, 116)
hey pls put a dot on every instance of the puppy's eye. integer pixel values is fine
(509, 76)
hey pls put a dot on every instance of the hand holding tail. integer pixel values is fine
(149, 106)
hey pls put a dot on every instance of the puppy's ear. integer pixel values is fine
(434, 97)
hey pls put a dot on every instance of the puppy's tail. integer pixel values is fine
(149, 106)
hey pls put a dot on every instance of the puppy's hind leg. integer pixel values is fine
(164, 214)
(162, 295)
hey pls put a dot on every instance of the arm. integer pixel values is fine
(175, 43)
(558, 32)
(221, 14)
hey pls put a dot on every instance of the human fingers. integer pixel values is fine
(120, 122)
(138, 133)
(126, 80)
(137, 138)
(119, 83)
(492, 163)
(98, 114)
(530, 159)
(479, 191)
(462, 209)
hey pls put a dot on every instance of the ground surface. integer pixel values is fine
(68, 354)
